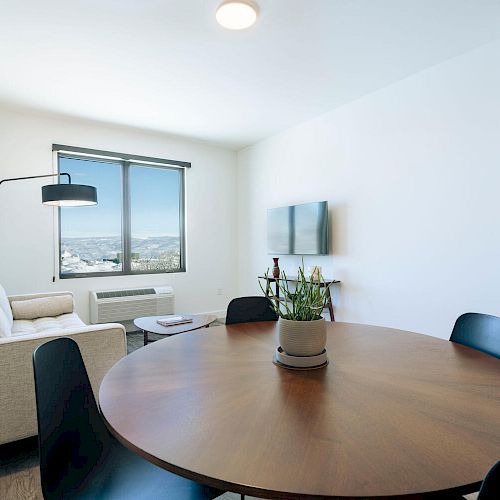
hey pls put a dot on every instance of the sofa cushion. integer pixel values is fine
(42, 307)
(5, 306)
(46, 325)
(5, 326)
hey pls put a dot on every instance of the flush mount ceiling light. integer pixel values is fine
(236, 14)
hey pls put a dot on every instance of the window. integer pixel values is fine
(136, 227)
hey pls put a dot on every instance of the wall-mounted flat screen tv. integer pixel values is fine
(298, 229)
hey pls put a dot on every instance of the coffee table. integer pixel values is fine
(148, 324)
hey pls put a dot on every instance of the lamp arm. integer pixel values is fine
(36, 177)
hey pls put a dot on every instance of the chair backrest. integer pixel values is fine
(250, 309)
(71, 434)
(479, 331)
(490, 489)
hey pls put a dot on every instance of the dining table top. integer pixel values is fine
(394, 414)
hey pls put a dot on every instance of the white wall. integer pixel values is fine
(26, 257)
(412, 177)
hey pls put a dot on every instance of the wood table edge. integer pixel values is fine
(246, 489)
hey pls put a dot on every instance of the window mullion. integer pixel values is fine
(127, 240)
(182, 220)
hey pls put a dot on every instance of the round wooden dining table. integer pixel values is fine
(394, 414)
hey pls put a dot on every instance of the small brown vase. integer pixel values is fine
(276, 268)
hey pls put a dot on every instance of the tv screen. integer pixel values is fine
(298, 229)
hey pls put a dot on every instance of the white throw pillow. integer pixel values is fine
(5, 306)
(42, 307)
(5, 327)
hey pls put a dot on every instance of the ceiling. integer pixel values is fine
(166, 65)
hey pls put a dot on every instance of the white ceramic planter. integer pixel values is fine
(302, 338)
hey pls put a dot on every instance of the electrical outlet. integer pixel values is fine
(219, 291)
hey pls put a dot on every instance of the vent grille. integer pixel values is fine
(125, 293)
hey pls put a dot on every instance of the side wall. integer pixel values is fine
(412, 177)
(26, 235)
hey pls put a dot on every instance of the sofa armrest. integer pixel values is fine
(101, 347)
(29, 296)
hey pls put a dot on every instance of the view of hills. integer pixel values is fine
(104, 254)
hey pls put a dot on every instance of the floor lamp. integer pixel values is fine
(62, 195)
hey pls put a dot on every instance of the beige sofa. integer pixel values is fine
(101, 347)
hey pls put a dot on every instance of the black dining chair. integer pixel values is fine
(249, 310)
(490, 489)
(479, 331)
(78, 456)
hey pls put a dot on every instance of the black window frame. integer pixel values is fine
(126, 161)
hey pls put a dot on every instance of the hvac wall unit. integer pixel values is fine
(108, 306)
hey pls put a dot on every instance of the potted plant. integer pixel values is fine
(302, 330)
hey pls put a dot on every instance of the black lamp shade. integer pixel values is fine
(69, 195)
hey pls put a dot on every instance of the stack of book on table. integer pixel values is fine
(173, 320)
